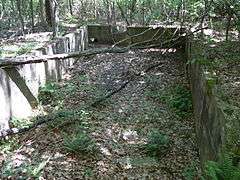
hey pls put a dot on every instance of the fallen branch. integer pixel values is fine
(10, 62)
(14, 131)
(110, 94)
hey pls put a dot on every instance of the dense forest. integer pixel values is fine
(120, 89)
(35, 16)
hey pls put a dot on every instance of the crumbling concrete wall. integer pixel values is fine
(106, 34)
(209, 118)
(14, 93)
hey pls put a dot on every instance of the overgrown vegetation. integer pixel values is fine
(80, 143)
(157, 143)
(224, 169)
(46, 93)
(23, 171)
(177, 97)
(191, 172)
(24, 49)
(21, 123)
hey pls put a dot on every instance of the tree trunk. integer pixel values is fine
(229, 18)
(20, 15)
(113, 13)
(56, 18)
(123, 13)
(42, 15)
(132, 11)
(143, 15)
(51, 9)
(178, 11)
(32, 15)
(2, 12)
(70, 3)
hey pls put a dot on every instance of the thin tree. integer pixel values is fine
(51, 9)
(20, 15)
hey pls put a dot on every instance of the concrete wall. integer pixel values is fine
(209, 118)
(104, 34)
(19, 87)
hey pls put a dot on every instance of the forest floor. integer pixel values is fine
(143, 131)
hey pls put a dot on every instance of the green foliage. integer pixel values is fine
(46, 93)
(36, 170)
(231, 112)
(224, 169)
(81, 143)
(190, 172)
(21, 123)
(88, 172)
(64, 116)
(24, 171)
(157, 143)
(24, 49)
(179, 99)
(9, 145)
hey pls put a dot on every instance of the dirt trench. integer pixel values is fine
(119, 125)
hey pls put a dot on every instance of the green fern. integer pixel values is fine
(157, 143)
(80, 144)
(224, 169)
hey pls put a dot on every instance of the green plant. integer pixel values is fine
(8, 145)
(21, 123)
(81, 143)
(35, 171)
(46, 93)
(224, 169)
(88, 172)
(24, 171)
(178, 98)
(190, 172)
(157, 143)
(25, 49)
(60, 117)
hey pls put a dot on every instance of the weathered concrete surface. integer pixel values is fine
(105, 34)
(17, 95)
(208, 116)
(101, 34)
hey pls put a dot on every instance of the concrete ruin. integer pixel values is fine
(19, 87)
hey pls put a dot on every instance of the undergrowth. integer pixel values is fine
(77, 92)
(23, 171)
(225, 169)
(157, 143)
(178, 98)
(24, 49)
(46, 93)
(80, 143)
(190, 172)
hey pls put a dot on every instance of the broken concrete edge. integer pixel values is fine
(63, 43)
(209, 117)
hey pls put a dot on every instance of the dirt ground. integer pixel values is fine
(119, 125)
